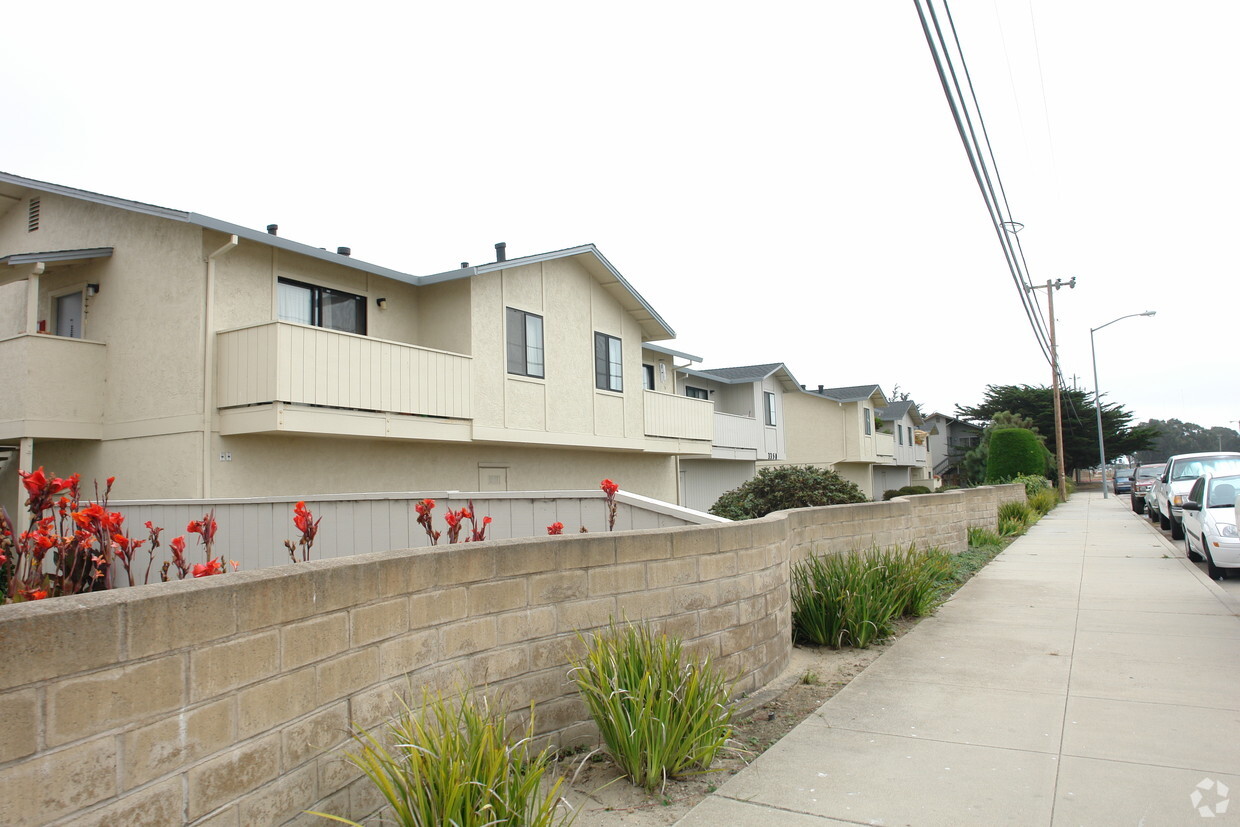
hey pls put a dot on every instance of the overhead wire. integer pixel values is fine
(997, 205)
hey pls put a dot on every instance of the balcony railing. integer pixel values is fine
(678, 417)
(885, 445)
(283, 362)
(53, 387)
(733, 431)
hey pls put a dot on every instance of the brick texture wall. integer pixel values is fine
(226, 700)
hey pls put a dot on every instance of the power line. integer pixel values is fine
(987, 176)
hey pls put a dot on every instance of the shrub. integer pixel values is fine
(983, 537)
(1043, 501)
(906, 491)
(1033, 483)
(660, 715)
(787, 486)
(456, 763)
(854, 599)
(1014, 451)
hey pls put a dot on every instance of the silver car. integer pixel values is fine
(1209, 515)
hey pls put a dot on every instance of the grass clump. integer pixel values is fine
(854, 599)
(1044, 501)
(456, 762)
(661, 714)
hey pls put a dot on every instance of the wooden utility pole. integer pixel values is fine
(1050, 288)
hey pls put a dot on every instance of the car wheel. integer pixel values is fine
(1188, 549)
(1177, 529)
(1163, 521)
(1136, 509)
(1150, 512)
(1214, 571)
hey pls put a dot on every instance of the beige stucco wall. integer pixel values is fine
(564, 405)
(814, 431)
(12, 308)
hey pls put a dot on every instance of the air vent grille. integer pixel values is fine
(32, 218)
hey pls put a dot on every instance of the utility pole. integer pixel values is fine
(1050, 287)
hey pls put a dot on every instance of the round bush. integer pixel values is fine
(786, 486)
(1014, 451)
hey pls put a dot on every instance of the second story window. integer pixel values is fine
(321, 307)
(696, 393)
(525, 343)
(770, 408)
(648, 377)
(608, 364)
(869, 427)
(900, 433)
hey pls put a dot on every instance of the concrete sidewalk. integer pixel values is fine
(1090, 675)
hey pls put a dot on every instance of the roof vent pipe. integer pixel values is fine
(501, 251)
(820, 388)
(344, 251)
(464, 264)
(273, 229)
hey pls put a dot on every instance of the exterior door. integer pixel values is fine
(69, 315)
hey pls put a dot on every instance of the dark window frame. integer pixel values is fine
(869, 426)
(696, 393)
(317, 293)
(769, 399)
(518, 346)
(648, 376)
(608, 372)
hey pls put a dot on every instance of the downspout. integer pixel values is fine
(208, 363)
(25, 451)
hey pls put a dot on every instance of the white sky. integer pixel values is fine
(782, 182)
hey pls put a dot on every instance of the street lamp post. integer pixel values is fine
(1102, 451)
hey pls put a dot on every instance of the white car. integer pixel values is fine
(1182, 470)
(1209, 514)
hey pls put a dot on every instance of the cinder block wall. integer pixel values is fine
(226, 700)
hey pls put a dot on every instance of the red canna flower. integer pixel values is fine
(209, 568)
(555, 528)
(609, 488)
(37, 594)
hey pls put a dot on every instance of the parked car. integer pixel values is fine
(1178, 477)
(1143, 479)
(1121, 481)
(1209, 515)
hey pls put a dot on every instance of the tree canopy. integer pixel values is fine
(1080, 429)
(1175, 437)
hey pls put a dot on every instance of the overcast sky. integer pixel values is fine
(782, 182)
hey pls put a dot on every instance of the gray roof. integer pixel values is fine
(748, 374)
(897, 410)
(652, 324)
(852, 393)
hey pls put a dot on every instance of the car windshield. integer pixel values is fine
(1146, 472)
(1223, 491)
(1192, 468)
(1123, 474)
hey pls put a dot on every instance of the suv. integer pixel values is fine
(1182, 470)
(1143, 479)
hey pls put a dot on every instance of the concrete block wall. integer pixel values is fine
(227, 700)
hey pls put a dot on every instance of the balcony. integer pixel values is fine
(885, 447)
(279, 376)
(669, 416)
(53, 387)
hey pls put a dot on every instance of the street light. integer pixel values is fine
(1102, 451)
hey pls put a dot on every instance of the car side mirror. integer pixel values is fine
(1190, 505)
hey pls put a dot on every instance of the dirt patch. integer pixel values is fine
(604, 797)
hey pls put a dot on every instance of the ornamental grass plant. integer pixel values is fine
(855, 599)
(455, 762)
(661, 714)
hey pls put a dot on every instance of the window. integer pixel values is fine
(525, 343)
(648, 377)
(909, 429)
(608, 367)
(696, 393)
(321, 307)
(900, 433)
(869, 428)
(770, 408)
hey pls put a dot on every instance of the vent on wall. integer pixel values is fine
(32, 219)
